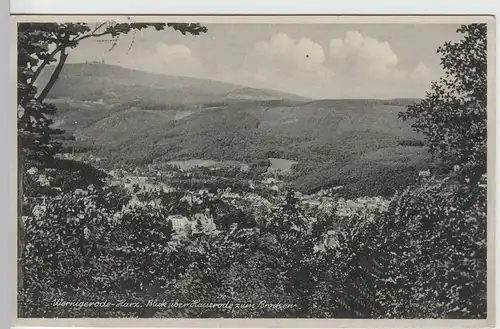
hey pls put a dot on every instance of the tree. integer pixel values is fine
(39, 45)
(453, 114)
(430, 248)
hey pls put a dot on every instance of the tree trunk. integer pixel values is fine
(20, 228)
(53, 78)
(44, 64)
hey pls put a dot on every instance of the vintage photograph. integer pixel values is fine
(194, 169)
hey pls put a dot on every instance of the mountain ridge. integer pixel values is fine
(120, 73)
(114, 76)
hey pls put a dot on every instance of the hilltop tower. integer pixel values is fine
(97, 61)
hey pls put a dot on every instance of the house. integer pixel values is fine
(424, 173)
(202, 222)
(179, 223)
(230, 196)
(331, 239)
(270, 181)
(134, 201)
(204, 218)
(227, 194)
(312, 202)
(197, 224)
(167, 189)
(79, 191)
(187, 198)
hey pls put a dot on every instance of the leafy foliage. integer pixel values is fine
(431, 245)
(368, 257)
(453, 115)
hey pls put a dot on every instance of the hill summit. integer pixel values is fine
(94, 81)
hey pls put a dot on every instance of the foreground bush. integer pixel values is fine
(430, 249)
(420, 255)
(98, 243)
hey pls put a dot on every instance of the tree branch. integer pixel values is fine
(98, 27)
(131, 43)
(60, 48)
(90, 36)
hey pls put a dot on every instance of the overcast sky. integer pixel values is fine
(313, 60)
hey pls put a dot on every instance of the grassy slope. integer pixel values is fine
(95, 81)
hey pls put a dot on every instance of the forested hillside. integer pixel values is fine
(334, 142)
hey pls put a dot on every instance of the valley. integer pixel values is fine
(136, 119)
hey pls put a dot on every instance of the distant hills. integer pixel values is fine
(134, 118)
(92, 82)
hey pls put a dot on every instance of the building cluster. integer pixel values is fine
(198, 223)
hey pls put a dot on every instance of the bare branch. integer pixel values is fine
(131, 43)
(91, 35)
(112, 46)
(98, 27)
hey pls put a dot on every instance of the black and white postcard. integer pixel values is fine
(249, 171)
